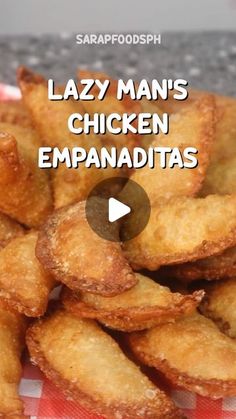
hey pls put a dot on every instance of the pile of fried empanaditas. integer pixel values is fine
(170, 292)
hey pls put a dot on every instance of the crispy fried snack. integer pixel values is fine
(224, 145)
(220, 305)
(25, 192)
(88, 365)
(151, 107)
(27, 138)
(146, 305)
(14, 112)
(184, 229)
(78, 257)
(12, 331)
(225, 142)
(8, 230)
(50, 119)
(110, 104)
(24, 284)
(210, 268)
(192, 353)
(73, 185)
(221, 177)
(193, 127)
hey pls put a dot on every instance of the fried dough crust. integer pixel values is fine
(219, 305)
(25, 192)
(146, 305)
(8, 230)
(110, 104)
(78, 257)
(192, 353)
(14, 112)
(88, 365)
(224, 146)
(24, 284)
(193, 127)
(12, 331)
(50, 118)
(184, 229)
(211, 268)
(220, 177)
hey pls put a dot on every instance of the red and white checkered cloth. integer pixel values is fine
(44, 401)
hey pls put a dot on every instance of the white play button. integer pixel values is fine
(117, 210)
(125, 209)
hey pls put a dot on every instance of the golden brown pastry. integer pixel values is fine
(8, 230)
(219, 305)
(78, 257)
(192, 353)
(184, 229)
(12, 331)
(25, 192)
(146, 305)
(89, 366)
(24, 284)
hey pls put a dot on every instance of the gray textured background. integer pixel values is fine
(198, 41)
(206, 60)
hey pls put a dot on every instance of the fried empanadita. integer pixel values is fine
(211, 268)
(184, 229)
(12, 332)
(225, 131)
(49, 117)
(110, 104)
(225, 141)
(146, 305)
(51, 120)
(8, 230)
(14, 112)
(24, 284)
(149, 106)
(25, 192)
(192, 353)
(193, 127)
(220, 177)
(27, 137)
(88, 366)
(78, 257)
(74, 185)
(219, 305)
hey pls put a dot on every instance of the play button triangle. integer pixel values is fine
(117, 210)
